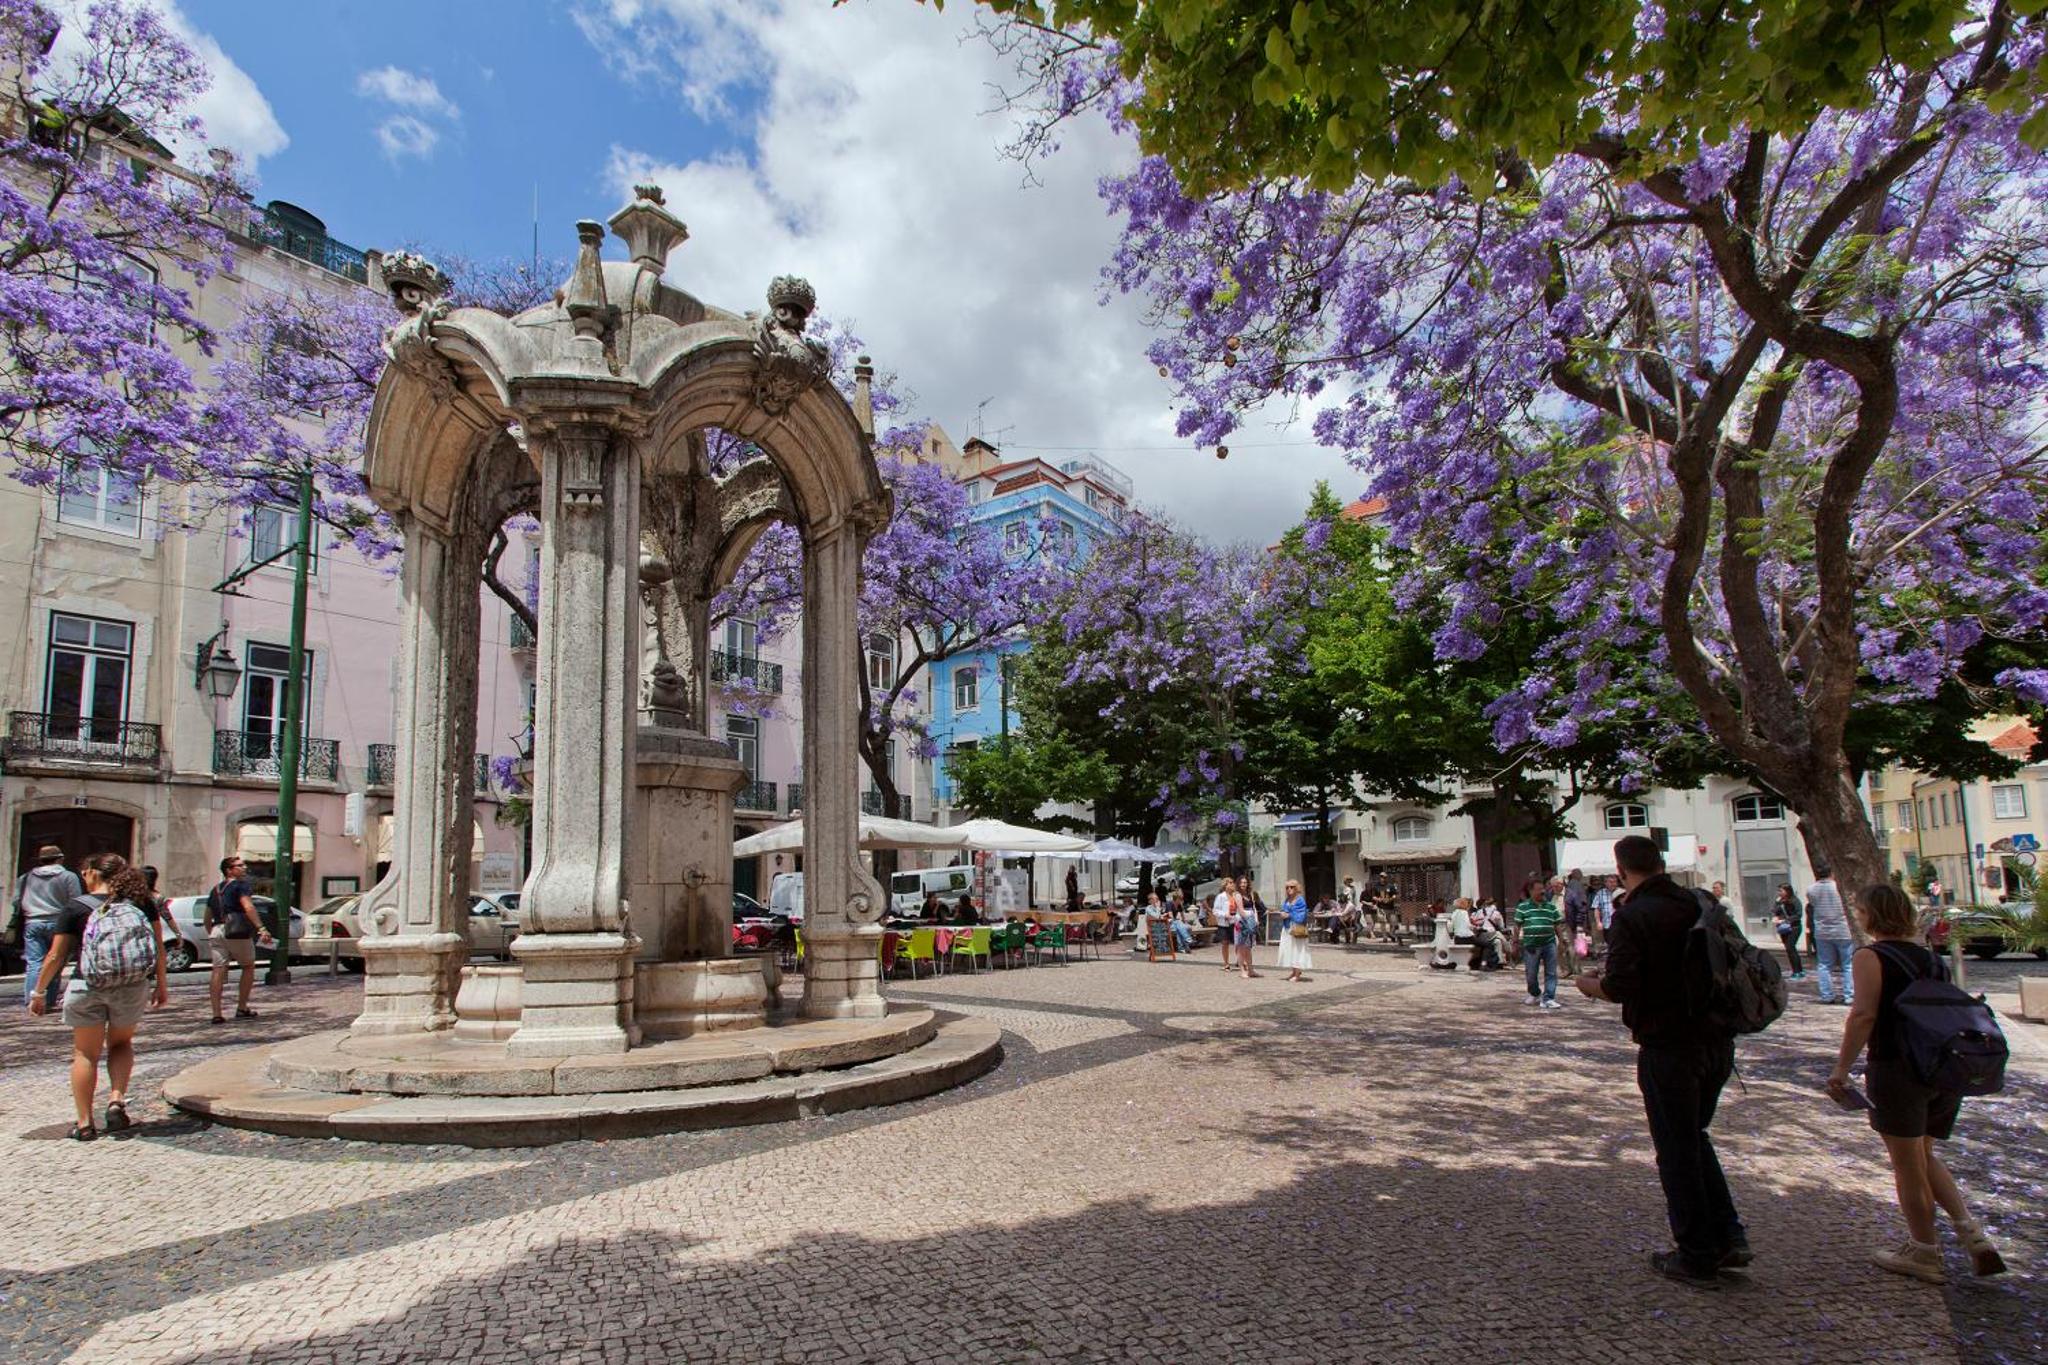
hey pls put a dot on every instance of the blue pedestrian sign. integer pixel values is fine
(2025, 843)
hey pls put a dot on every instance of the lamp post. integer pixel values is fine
(289, 742)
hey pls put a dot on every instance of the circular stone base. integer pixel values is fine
(811, 1068)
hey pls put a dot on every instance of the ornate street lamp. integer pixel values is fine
(215, 671)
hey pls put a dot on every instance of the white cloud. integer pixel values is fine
(873, 172)
(706, 49)
(407, 90)
(402, 135)
(234, 113)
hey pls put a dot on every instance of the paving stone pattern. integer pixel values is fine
(1171, 1165)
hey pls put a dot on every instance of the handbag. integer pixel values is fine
(1298, 930)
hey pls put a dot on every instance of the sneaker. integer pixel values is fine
(1532, 1000)
(1921, 1260)
(1984, 1257)
(1799, 976)
(1552, 1005)
(1673, 1266)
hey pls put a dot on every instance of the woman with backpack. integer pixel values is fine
(111, 930)
(1907, 1111)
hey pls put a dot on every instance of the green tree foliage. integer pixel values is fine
(1233, 92)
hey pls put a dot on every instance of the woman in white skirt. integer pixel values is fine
(1294, 954)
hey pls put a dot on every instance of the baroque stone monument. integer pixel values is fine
(563, 411)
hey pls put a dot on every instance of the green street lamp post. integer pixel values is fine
(290, 742)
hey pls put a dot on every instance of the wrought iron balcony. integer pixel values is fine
(874, 803)
(521, 636)
(38, 737)
(296, 239)
(762, 674)
(383, 764)
(483, 774)
(796, 797)
(756, 796)
(249, 753)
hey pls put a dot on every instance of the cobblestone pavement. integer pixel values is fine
(1171, 1165)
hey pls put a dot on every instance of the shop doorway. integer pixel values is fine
(80, 833)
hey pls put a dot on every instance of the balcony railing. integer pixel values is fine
(249, 753)
(37, 737)
(796, 797)
(756, 796)
(521, 637)
(760, 672)
(483, 774)
(383, 764)
(294, 239)
(874, 803)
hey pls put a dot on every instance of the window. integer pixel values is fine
(1016, 539)
(743, 733)
(100, 498)
(881, 663)
(271, 533)
(1920, 814)
(1628, 815)
(263, 689)
(2009, 801)
(1411, 829)
(86, 678)
(1063, 542)
(742, 639)
(1756, 808)
(1944, 808)
(1904, 814)
(966, 689)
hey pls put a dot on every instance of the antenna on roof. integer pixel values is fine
(980, 422)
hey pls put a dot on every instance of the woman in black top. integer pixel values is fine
(1906, 1113)
(1785, 918)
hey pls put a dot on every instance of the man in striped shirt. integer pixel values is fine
(1536, 924)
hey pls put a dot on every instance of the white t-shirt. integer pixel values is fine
(1461, 923)
(1219, 908)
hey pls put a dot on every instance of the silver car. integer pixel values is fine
(190, 949)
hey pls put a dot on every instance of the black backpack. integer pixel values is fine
(1951, 1038)
(1731, 984)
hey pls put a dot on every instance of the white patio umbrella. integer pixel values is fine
(875, 832)
(1018, 839)
(1110, 850)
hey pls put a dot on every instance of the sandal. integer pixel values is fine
(83, 1132)
(218, 1020)
(245, 1014)
(117, 1116)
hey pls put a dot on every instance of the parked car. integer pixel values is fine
(1985, 933)
(333, 924)
(493, 925)
(189, 914)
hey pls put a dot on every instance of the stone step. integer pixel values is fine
(238, 1090)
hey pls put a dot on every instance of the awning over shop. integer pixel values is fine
(385, 825)
(1408, 857)
(1595, 857)
(1298, 820)
(257, 841)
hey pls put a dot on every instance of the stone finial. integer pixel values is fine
(412, 280)
(786, 362)
(584, 298)
(863, 394)
(791, 301)
(649, 230)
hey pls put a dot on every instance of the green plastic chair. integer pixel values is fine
(1052, 939)
(1011, 942)
(972, 944)
(922, 946)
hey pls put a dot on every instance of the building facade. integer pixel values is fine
(1977, 839)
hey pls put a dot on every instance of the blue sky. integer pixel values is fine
(529, 107)
(854, 145)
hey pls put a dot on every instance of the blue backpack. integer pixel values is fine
(1950, 1038)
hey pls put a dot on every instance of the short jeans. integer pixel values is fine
(228, 952)
(106, 1006)
(1902, 1107)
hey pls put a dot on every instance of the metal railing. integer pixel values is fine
(760, 672)
(39, 737)
(521, 636)
(483, 774)
(293, 239)
(874, 803)
(796, 797)
(756, 796)
(249, 753)
(383, 765)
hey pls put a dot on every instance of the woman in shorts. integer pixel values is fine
(102, 1017)
(1909, 1115)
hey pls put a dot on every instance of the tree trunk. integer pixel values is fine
(1838, 835)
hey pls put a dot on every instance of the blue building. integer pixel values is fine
(1061, 508)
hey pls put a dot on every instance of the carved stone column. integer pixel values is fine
(842, 903)
(576, 945)
(415, 920)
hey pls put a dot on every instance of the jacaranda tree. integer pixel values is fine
(1766, 413)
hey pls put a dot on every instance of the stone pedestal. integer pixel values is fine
(840, 974)
(409, 983)
(1441, 952)
(677, 999)
(577, 994)
(680, 878)
(487, 1004)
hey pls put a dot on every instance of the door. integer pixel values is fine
(80, 833)
(263, 689)
(1506, 857)
(86, 687)
(746, 877)
(1318, 871)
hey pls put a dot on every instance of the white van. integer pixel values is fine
(907, 890)
(786, 896)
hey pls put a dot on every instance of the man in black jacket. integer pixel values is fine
(1681, 1062)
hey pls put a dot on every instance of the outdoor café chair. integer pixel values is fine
(921, 946)
(1052, 938)
(972, 944)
